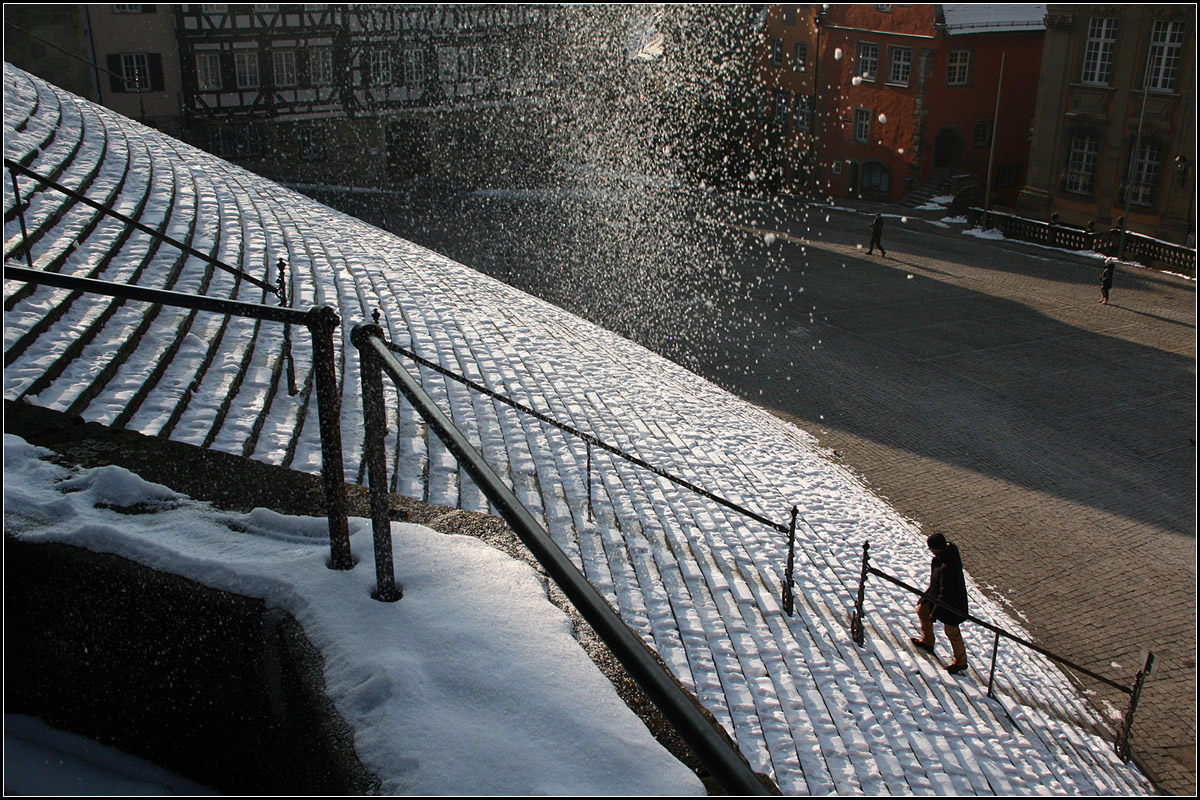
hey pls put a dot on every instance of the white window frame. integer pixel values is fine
(866, 61)
(320, 66)
(208, 72)
(984, 130)
(1099, 52)
(800, 57)
(414, 67)
(1145, 170)
(1163, 60)
(471, 62)
(447, 62)
(899, 65)
(862, 125)
(245, 64)
(779, 111)
(958, 68)
(283, 68)
(135, 70)
(380, 62)
(1083, 161)
(777, 52)
(804, 112)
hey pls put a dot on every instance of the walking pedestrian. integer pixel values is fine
(947, 585)
(876, 236)
(1106, 279)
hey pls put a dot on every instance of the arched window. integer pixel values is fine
(876, 177)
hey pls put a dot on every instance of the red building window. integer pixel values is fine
(868, 60)
(862, 125)
(901, 65)
(877, 177)
(958, 68)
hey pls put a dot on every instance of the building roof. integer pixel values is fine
(960, 18)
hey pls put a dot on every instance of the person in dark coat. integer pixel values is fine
(876, 236)
(947, 584)
(1106, 279)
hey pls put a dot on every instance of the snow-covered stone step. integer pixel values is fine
(75, 161)
(95, 257)
(27, 126)
(697, 581)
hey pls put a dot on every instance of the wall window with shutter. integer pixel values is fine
(132, 72)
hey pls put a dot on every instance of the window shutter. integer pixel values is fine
(154, 62)
(116, 81)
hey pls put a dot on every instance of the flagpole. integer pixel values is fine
(1133, 158)
(987, 189)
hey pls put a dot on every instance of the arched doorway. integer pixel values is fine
(947, 148)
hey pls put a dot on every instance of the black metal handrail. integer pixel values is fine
(320, 321)
(786, 593)
(857, 630)
(706, 740)
(82, 198)
(589, 438)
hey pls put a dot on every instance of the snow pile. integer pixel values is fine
(472, 683)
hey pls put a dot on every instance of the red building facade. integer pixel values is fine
(787, 68)
(907, 96)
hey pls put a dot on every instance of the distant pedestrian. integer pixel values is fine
(876, 236)
(948, 585)
(1106, 279)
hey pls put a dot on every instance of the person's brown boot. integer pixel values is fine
(956, 667)
(921, 644)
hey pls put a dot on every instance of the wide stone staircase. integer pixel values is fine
(697, 581)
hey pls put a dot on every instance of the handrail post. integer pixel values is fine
(992, 673)
(788, 600)
(282, 292)
(21, 214)
(321, 323)
(708, 741)
(856, 623)
(376, 428)
(589, 477)
(1122, 744)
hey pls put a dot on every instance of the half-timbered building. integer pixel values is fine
(374, 93)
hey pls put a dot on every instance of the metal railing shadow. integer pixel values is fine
(1121, 743)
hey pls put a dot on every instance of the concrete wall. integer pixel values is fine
(213, 686)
